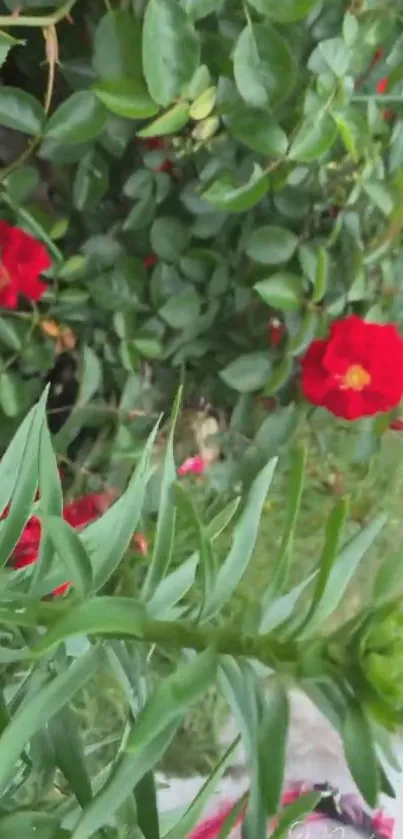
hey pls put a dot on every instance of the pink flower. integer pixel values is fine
(195, 465)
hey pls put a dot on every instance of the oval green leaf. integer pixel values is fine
(169, 123)
(271, 245)
(171, 50)
(117, 46)
(21, 111)
(248, 372)
(315, 137)
(264, 67)
(224, 194)
(285, 12)
(126, 98)
(283, 291)
(258, 131)
(79, 119)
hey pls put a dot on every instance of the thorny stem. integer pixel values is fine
(37, 20)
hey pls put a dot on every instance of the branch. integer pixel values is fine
(36, 20)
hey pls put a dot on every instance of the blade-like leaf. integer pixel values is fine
(234, 566)
(272, 747)
(334, 529)
(68, 545)
(107, 538)
(41, 708)
(195, 810)
(25, 486)
(51, 502)
(280, 575)
(172, 698)
(69, 755)
(126, 774)
(344, 569)
(146, 806)
(207, 560)
(293, 817)
(360, 752)
(103, 616)
(166, 515)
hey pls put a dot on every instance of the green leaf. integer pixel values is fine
(126, 97)
(280, 375)
(353, 131)
(195, 811)
(170, 67)
(264, 67)
(172, 588)
(278, 611)
(90, 376)
(12, 394)
(294, 498)
(6, 43)
(333, 533)
(283, 291)
(101, 616)
(9, 335)
(315, 137)
(248, 372)
(172, 698)
(169, 238)
(125, 775)
(271, 245)
(273, 730)
(207, 560)
(198, 9)
(295, 814)
(169, 123)
(336, 55)
(22, 457)
(117, 46)
(244, 539)
(146, 807)
(360, 753)
(107, 538)
(78, 119)
(51, 503)
(31, 825)
(344, 568)
(68, 545)
(258, 131)
(285, 12)
(181, 310)
(321, 274)
(388, 581)
(21, 111)
(64, 733)
(164, 536)
(225, 194)
(176, 584)
(40, 708)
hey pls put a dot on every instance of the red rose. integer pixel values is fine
(357, 371)
(22, 259)
(77, 514)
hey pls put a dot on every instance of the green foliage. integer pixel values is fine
(58, 648)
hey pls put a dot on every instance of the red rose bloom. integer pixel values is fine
(22, 259)
(77, 514)
(357, 371)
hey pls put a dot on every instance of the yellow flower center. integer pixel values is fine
(356, 377)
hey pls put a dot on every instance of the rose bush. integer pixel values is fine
(211, 207)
